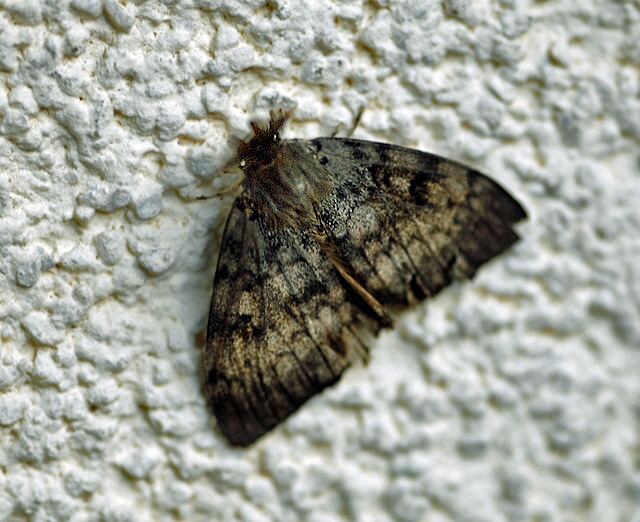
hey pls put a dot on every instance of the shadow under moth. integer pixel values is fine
(327, 236)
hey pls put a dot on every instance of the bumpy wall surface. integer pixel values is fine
(513, 397)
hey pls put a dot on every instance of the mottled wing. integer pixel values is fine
(281, 325)
(407, 223)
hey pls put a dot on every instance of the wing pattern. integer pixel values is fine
(408, 222)
(282, 325)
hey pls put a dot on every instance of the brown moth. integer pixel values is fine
(327, 236)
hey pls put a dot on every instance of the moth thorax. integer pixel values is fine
(281, 198)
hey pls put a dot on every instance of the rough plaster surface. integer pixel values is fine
(513, 397)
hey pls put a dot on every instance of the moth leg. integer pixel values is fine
(354, 125)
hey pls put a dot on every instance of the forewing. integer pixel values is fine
(406, 222)
(281, 326)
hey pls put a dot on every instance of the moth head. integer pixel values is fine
(262, 147)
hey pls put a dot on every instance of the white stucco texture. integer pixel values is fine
(511, 397)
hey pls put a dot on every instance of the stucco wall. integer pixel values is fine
(512, 397)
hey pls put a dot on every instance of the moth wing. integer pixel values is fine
(407, 222)
(281, 326)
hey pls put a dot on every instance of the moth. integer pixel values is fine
(327, 238)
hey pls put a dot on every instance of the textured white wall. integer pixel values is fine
(512, 397)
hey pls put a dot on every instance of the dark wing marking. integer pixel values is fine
(281, 326)
(406, 223)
